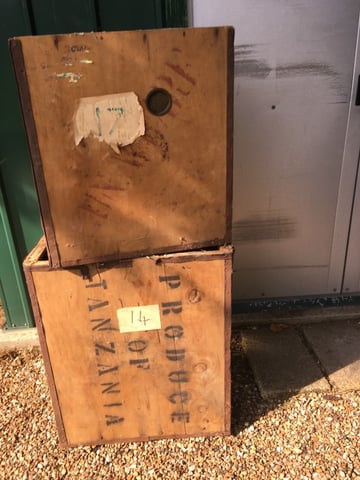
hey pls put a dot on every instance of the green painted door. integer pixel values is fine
(20, 226)
(19, 213)
(12, 290)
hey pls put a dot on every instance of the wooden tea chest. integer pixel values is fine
(137, 349)
(130, 135)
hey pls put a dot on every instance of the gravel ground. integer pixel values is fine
(2, 316)
(304, 437)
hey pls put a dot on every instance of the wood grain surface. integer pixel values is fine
(108, 386)
(171, 189)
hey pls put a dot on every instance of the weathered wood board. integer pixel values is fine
(111, 183)
(136, 350)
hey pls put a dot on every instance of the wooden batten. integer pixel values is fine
(168, 186)
(138, 349)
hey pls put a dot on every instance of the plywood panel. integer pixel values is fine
(170, 189)
(166, 382)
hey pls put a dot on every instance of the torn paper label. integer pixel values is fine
(116, 119)
(139, 319)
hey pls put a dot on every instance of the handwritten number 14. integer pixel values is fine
(141, 318)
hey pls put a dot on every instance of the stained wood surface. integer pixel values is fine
(168, 191)
(110, 386)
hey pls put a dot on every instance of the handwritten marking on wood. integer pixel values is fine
(139, 319)
(117, 119)
(73, 77)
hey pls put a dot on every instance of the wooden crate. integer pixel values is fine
(136, 350)
(171, 189)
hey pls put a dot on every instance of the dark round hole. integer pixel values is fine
(159, 101)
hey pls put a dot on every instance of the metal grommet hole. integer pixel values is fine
(159, 101)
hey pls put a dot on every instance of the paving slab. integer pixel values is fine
(281, 363)
(18, 338)
(337, 345)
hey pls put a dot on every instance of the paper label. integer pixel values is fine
(139, 318)
(115, 119)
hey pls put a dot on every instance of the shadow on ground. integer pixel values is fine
(246, 402)
(272, 363)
